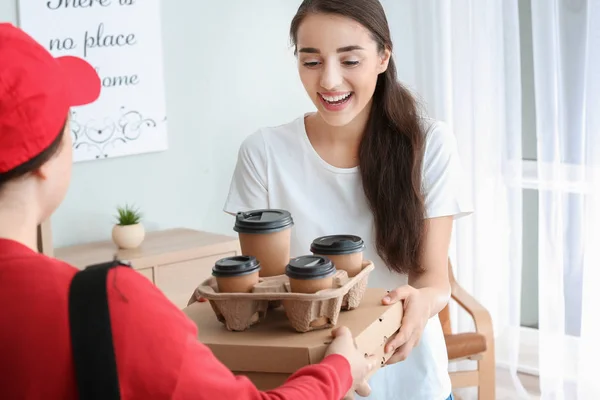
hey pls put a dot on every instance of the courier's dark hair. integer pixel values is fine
(36, 162)
(392, 147)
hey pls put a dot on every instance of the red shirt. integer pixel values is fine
(157, 352)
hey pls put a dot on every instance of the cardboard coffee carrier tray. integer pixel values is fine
(305, 311)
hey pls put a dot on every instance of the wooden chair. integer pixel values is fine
(477, 346)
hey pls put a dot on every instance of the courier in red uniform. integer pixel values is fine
(105, 332)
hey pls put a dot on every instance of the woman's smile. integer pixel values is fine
(335, 101)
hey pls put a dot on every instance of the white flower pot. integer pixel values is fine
(128, 236)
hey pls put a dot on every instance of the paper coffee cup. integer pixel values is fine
(236, 274)
(266, 235)
(310, 274)
(345, 251)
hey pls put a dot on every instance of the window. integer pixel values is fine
(529, 292)
(533, 188)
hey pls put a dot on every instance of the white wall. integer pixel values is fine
(229, 69)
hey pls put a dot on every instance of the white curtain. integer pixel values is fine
(469, 74)
(468, 63)
(566, 44)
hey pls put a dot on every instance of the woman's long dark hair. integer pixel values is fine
(392, 147)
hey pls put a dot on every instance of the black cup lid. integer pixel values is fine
(337, 245)
(310, 267)
(263, 221)
(235, 266)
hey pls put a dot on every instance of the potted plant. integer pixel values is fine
(128, 232)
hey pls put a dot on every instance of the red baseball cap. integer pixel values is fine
(36, 92)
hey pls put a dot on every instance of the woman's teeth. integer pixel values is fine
(336, 99)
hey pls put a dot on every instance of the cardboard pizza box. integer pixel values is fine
(270, 351)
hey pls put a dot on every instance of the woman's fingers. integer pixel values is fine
(398, 294)
(402, 337)
(402, 353)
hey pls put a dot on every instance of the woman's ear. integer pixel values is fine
(384, 60)
(43, 171)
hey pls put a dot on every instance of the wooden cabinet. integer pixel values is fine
(175, 260)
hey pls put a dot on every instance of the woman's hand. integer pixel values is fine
(426, 294)
(417, 311)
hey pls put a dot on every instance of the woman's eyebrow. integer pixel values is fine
(313, 50)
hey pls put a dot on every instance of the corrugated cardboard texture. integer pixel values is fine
(274, 347)
(305, 311)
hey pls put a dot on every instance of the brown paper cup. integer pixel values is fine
(310, 274)
(272, 249)
(310, 286)
(237, 284)
(266, 235)
(345, 251)
(237, 274)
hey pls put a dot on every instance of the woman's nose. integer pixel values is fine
(331, 78)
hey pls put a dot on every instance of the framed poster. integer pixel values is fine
(122, 40)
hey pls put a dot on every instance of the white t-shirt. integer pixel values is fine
(277, 167)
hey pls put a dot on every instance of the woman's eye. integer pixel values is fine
(350, 63)
(311, 63)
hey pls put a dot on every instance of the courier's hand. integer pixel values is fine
(416, 315)
(193, 299)
(361, 365)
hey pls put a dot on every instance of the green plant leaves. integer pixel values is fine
(128, 215)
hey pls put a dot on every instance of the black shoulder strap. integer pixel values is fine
(91, 334)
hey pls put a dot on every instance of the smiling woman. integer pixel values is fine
(366, 163)
(342, 60)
